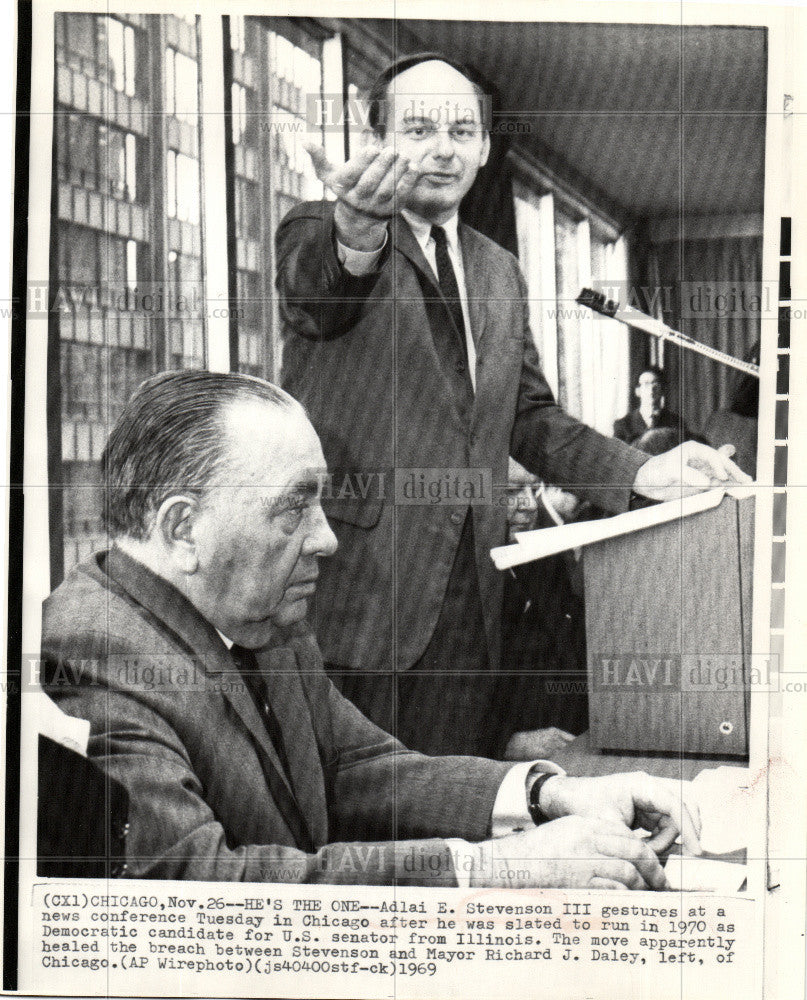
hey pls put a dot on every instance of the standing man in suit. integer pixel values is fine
(185, 647)
(652, 410)
(406, 336)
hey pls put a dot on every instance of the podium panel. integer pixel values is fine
(668, 629)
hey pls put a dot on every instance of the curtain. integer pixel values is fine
(699, 271)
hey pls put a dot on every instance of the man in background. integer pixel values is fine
(652, 412)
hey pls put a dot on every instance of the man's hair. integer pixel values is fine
(654, 370)
(170, 438)
(378, 101)
(657, 440)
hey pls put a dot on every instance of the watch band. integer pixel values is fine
(537, 814)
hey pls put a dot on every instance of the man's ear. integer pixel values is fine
(174, 525)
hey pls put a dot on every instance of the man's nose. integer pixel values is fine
(321, 540)
(443, 145)
(525, 499)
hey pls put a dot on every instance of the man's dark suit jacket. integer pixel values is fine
(632, 425)
(173, 722)
(362, 356)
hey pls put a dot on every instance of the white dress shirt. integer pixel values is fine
(362, 262)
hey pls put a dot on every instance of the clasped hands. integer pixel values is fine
(592, 839)
(688, 469)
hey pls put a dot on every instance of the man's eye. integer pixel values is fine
(291, 518)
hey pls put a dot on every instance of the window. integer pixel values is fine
(181, 86)
(121, 56)
(563, 247)
(183, 196)
(294, 73)
(116, 322)
(117, 162)
(239, 103)
(237, 34)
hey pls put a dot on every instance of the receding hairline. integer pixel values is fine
(236, 435)
(474, 88)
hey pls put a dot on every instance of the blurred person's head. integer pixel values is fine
(657, 440)
(650, 389)
(522, 506)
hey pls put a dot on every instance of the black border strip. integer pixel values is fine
(11, 862)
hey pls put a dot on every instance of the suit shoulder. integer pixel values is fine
(485, 245)
(309, 211)
(85, 618)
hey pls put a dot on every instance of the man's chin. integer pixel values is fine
(291, 612)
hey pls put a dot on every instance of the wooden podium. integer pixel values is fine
(668, 629)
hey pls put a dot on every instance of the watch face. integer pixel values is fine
(536, 813)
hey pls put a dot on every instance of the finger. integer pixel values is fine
(375, 173)
(351, 173)
(596, 882)
(408, 180)
(619, 871)
(693, 477)
(667, 798)
(716, 463)
(323, 167)
(663, 837)
(727, 450)
(389, 183)
(634, 852)
(737, 473)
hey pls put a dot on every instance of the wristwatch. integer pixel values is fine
(537, 814)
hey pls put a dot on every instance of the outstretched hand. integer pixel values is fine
(370, 188)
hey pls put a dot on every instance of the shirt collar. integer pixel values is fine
(422, 229)
(227, 642)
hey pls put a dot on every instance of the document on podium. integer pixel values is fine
(543, 542)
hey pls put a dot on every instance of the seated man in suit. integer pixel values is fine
(185, 646)
(652, 410)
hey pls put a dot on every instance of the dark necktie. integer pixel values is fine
(250, 671)
(286, 802)
(447, 280)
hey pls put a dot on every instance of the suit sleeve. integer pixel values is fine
(173, 833)
(562, 450)
(318, 297)
(385, 791)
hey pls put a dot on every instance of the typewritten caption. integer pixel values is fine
(394, 935)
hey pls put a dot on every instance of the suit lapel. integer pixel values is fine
(281, 674)
(403, 239)
(175, 615)
(477, 280)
